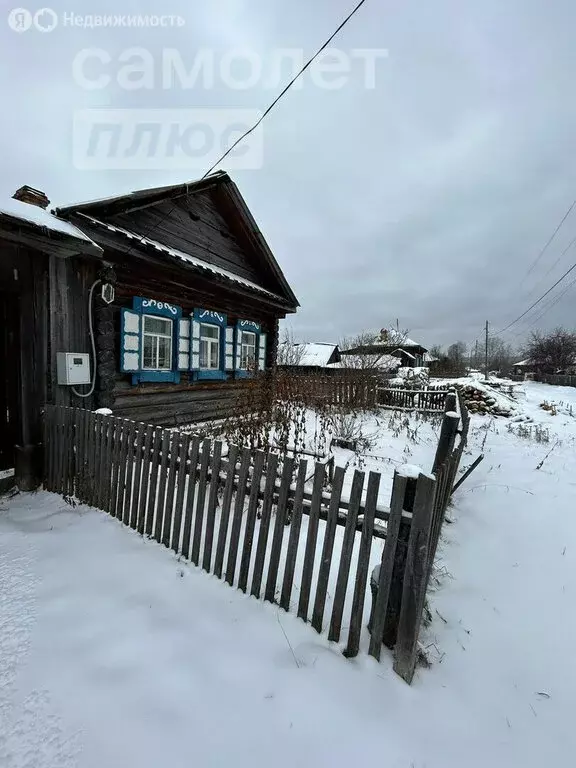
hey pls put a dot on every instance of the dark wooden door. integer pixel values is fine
(9, 378)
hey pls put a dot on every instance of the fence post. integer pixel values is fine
(415, 580)
(392, 618)
(448, 434)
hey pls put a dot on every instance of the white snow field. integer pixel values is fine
(113, 653)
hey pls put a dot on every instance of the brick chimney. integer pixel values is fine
(32, 196)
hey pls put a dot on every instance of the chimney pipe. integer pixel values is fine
(31, 196)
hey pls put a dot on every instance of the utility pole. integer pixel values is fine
(486, 353)
(475, 355)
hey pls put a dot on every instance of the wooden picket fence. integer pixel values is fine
(203, 500)
(427, 400)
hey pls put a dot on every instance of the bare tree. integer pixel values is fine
(554, 351)
(290, 352)
(360, 361)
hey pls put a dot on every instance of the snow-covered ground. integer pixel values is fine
(113, 653)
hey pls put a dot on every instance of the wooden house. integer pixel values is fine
(410, 353)
(174, 293)
(313, 357)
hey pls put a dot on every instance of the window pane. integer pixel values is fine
(157, 325)
(164, 353)
(147, 355)
(209, 331)
(214, 362)
(203, 354)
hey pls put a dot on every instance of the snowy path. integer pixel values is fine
(112, 653)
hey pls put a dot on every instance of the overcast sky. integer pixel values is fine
(424, 199)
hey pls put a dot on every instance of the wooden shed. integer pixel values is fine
(175, 294)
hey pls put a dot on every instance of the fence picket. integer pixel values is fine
(251, 520)
(124, 461)
(162, 485)
(279, 525)
(169, 508)
(180, 493)
(327, 549)
(294, 537)
(189, 512)
(264, 523)
(212, 505)
(309, 554)
(225, 511)
(113, 466)
(237, 516)
(362, 569)
(387, 565)
(200, 501)
(346, 556)
(414, 591)
(145, 476)
(137, 476)
(102, 426)
(155, 460)
(72, 450)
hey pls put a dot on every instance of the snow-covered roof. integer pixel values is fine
(315, 354)
(524, 363)
(428, 358)
(389, 337)
(32, 214)
(185, 257)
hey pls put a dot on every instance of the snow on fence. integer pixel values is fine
(558, 380)
(429, 400)
(249, 518)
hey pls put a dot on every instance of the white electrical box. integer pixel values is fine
(73, 368)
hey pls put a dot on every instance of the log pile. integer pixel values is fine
(481, 401)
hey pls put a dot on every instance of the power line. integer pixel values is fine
(267, 111)
(538, 300)
(543, 251)
(547, 309)
(287, 88)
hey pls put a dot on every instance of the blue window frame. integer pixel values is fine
(151, 336)
(249, 348)
(208, 345)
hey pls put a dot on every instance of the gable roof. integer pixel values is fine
(227, 198)
(316, 354)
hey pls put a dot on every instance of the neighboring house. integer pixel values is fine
(410, 353)
(315, 357)
(529, 366)
(185, 299)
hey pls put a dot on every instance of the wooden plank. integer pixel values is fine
(363, 564)
(294, 537)
(212, 505)
(387, 566)
(162, 478)
(137, 476)
(94, 442)
(189, 513)
(86, 444)
(89, 458)
(108, 426)
(123, 459)
(328, 549)
(61, 442)
(98, 453)
(264, 524)
(310, 552)
(144, 479)
(130, 483)
(110, 463)
(49, 455)
(415, 580)
(201, 500)
(259, 458)
(180, 492)
(70, 447)
(169, 510)
(153, 486)
(225, 511)
(117, 468)
(78, 457)
(346, 556)
(238, 514)
(279, 525)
